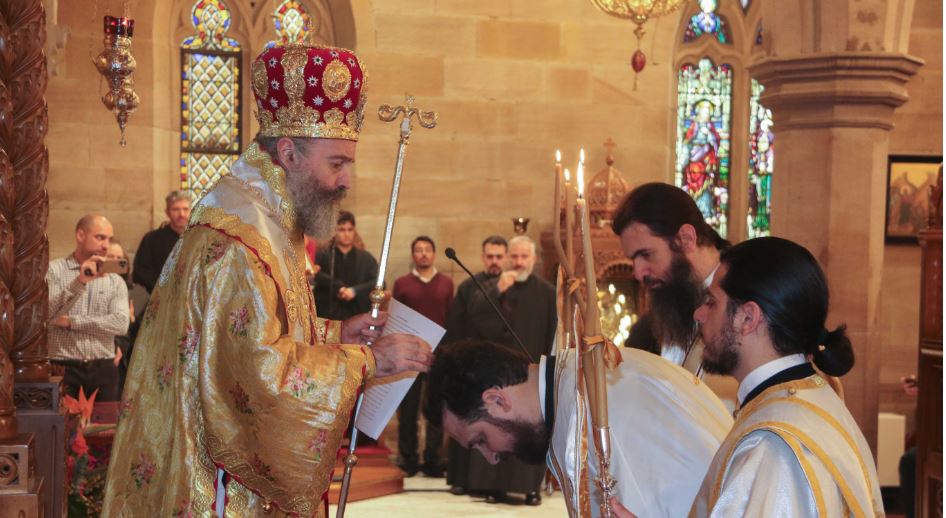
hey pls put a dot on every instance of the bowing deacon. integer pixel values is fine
(665, 423)
(794, 450)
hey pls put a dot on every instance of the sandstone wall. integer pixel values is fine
(511, 80)
(919, 131)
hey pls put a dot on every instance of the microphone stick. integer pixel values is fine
(452, 255)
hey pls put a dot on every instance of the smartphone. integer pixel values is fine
(119, 266)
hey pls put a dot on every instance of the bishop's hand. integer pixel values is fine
(363, 328)
(398, 352)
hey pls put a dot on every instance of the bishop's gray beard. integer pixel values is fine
(316, 208)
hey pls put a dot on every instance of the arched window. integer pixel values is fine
(704, 126)
(210, 97)
(292, 24)
(725, 145)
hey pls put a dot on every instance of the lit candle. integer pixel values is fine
(558, 193)
(592, 321)
(557, 216)
(569, 221)
(594, 368)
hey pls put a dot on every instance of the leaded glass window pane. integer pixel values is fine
(200, 170)
(211, 20)
(761, 158)
(704, 112)
(707, 22)
(292, 24)
(210, 97)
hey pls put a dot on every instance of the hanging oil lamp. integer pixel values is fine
(117, 65)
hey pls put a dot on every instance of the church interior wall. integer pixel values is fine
(918, 131)
(512, 80)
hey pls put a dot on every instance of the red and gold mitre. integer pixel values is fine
(309, 91)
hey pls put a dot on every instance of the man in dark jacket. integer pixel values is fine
(346, 275)
(156, 245)
(528, 303)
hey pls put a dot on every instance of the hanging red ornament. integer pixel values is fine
(638, 61)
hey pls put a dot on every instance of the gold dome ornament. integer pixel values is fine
(638, 11)
(117, 65)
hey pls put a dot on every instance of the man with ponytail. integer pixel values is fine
(795, 449)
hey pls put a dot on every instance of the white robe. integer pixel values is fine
(666, 425)
(790, 452)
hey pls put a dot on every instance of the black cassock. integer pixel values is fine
(530, 308)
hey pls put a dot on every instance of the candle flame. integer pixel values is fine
(558, 156)
(568, 175)
(581, 180)
(581, 155)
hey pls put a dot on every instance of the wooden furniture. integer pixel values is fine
(929, 475)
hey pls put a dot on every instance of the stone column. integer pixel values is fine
(833, 114)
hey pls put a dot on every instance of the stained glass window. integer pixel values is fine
(745, 4)
(758, 34)
(704, 111)
(211, 20)
(707, 22)
(761, 158)
(292, 24)
(210, 97)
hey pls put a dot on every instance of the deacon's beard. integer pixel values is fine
(316, 208)
(724, 350)
(673, 302)
(530, 440)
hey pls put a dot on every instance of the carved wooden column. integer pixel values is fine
(8, 427)
(32, 454)
(929, 407)
(27, 151)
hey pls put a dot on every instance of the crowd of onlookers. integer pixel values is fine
(97, 298)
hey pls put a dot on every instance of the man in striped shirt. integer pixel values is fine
(87, 310)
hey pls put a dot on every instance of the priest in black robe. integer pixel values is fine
(528, 303)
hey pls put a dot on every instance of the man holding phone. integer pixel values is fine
(88, 308)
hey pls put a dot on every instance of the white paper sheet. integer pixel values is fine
(383, 395)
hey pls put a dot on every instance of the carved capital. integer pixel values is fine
(840, 89)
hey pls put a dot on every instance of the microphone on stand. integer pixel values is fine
(452, 255)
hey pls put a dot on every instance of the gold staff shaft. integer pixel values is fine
(387, 114)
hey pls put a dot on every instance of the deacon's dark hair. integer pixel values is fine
(345, 217)
(785, 280)
(664, 209)
(462, 371)
(495, 240)
(425, 239)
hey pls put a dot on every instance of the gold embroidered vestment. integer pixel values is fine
(232, 369)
